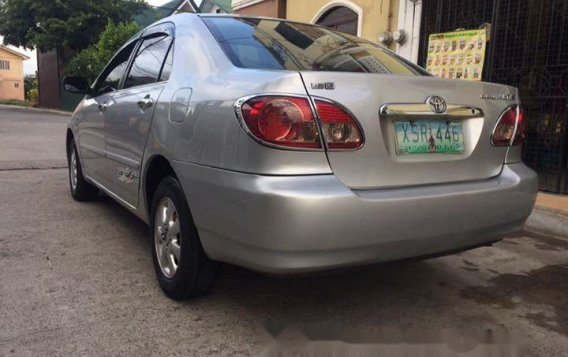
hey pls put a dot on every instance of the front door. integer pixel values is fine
(129, 119)
(91, 140)
(92, 123)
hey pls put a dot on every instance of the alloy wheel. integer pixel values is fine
(167, 237)
(73, 173)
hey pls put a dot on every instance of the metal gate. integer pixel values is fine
(528, 48)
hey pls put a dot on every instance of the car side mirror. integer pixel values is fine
(77, 85)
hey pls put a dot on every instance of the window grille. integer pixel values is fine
(528, 49)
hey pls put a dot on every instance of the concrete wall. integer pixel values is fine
(375, 16)
(12, 80)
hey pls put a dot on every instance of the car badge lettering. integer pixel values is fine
(323, 85)
(126, 175)
(437, 104)
(504, 96)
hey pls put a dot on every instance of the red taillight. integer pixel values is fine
(282, 121)
(511, 127)
(521, 132)
(340, 130)
(288, 121)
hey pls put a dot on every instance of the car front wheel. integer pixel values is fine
(182, 267)
(81, 190)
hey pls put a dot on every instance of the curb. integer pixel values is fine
(548, 222)
(36, 110)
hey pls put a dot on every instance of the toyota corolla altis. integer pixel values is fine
(290, 148)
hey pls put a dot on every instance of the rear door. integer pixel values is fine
(128, 120)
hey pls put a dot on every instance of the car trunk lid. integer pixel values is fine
(380, 103)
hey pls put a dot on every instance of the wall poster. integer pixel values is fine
(457, 55)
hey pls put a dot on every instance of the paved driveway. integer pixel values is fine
(77, 279)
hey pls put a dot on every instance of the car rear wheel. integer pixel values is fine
(182, 267)
(81, 190)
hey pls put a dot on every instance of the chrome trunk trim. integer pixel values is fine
(453, 111)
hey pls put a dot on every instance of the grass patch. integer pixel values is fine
(21, 103)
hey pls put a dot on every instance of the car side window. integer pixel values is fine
(147, 65)
(168, 64)
(115, 71)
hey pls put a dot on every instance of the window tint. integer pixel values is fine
(114, 72)
(272, 44)
(148, 62)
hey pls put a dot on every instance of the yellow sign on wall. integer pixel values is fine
(457, 55)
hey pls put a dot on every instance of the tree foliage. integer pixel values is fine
(91, 61)
(61, 24)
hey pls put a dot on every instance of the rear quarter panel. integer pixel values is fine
(202, 127)
(211, 134)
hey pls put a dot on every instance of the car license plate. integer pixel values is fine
(429, 137)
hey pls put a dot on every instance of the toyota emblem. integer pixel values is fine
(437, 104)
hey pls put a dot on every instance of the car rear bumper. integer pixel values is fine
(299, 224)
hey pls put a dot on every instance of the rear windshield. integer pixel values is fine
(280, 45)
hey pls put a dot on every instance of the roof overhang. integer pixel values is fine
(21, 55)
(240, 4)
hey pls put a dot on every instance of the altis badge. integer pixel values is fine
(505, 96)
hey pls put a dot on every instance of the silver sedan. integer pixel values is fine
(289, 148)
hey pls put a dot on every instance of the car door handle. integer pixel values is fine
(145, 103)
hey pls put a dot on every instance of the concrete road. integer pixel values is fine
(77, 279)
(29, 139)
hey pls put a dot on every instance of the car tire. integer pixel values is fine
(81, 190)
(189, 273)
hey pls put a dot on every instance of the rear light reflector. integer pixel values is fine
(281, 121)
(521, 132)
(511, 127)
(340, 130)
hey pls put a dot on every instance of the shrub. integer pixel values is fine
(31, 88)
(91, 61)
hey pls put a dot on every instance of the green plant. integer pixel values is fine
(73, 24)
(67, 26)
(31, 88)
(90, 62)
(21, 103)
(34, 96)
